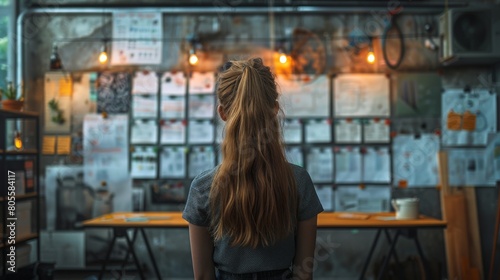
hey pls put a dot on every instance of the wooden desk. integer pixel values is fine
(120, 222)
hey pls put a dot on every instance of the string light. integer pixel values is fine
(283, 58)
(370, 57)
(193, 58)
(103, 56)
(18, 141)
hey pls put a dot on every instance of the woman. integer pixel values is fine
(254, 215)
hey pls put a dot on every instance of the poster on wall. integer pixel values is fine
(301, 98)
(358, 95)
(369, 199)
(57, 102)
(143, 32)
(468, 118)
(113, 92)
(417, 95)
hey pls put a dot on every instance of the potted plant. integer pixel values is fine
(11, 101)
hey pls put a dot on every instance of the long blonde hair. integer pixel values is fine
(253, 197)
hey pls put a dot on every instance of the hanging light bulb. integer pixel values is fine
(18, 141)
(370, 57)
(103, 56)
(193, 58)
(55, 60)
(283, 58)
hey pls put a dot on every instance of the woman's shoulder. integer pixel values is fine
(299, 172)
(204, 180)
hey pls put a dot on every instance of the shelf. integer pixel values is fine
(27, 152)
(23, 239)
(18, 114)
(20, 197)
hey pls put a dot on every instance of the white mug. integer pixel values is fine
(406, 208)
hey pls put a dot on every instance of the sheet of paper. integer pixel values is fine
(318, 131)
(359, 95)
(57, 120)
(173, 132)
(173, 107)
(468, 167)
(292, 131)
(320, 164)
(295, 155)
(348, 165)
(143, 162)
(201, 158)
(325, 195)
(173, 83)
(137, 25)
(377, 165)
(144, 132)
(201, 106)
(418, 94)
(301, 98)
(173, 162)
(415, 160)
(66, 249)
(144, 106)
(369, 199)
(376, 131)
(347, 131)
(49, 145)
(145, 82)
(201, 132)
(66, 87)
(113, 92)
(202, 83)
(63, 145)
(480, 103)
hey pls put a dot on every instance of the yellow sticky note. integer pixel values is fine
(65, 86)
(454, 121)
(63, 145)
(49, 145)
(469, 121)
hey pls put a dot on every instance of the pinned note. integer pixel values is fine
(454, 121)
(469, 121)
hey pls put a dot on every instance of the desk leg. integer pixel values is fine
(391, 251)
(389, 239)
(150, 253)
(132, 250)
(420, 252)
(367, 261)
(128, 251)
(108, 253)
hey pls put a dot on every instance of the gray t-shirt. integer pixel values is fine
(238, 259)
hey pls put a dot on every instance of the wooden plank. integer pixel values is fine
(476, 255)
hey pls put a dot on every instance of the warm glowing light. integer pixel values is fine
(283, 58)
(371, 57)
(18, 142)
(193, 59)
(103, 57)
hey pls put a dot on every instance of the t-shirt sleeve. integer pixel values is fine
(309, 204)
(197, 205)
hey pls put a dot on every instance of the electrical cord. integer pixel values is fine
(392, 25)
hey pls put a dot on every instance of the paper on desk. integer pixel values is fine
(173, 107)
(358, 95)
(348, 165)
(173, 162)
(347, 131)
(173, 132)
(201, 132)
(318, 131)
(304, 98)
(145, 82)
(292, 131)
(201, 158)
(369, 199)
(376, 131)
(415, 160)
(144, 106)
(201, 106)
(144, 162)
(202, 83)
(376, 165)
(173, 83)
(320, 164)
(144, 132)
(481, 103)
(294, 155)
(325, 195)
